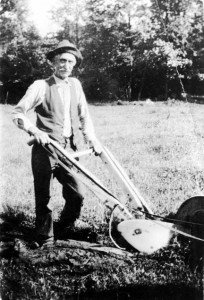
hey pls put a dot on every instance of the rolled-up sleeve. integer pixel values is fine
(33, 97)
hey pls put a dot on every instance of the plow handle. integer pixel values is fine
(120, 175)
(73, 155)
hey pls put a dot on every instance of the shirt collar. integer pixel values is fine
(60, 81)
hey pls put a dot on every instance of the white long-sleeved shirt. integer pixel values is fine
(35, 95)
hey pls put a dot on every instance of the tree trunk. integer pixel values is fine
(142, 84)
(6, 99)
(166, 90)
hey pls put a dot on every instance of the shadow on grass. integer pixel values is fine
(15, 224)
(194, 226)
(169, 292)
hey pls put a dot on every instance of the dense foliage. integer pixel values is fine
(128, 47)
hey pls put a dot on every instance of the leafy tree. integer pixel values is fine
(177, 27)
(22, 63)
(128, 46)
(99, 41)
(70, 18)
(22, 58)
(12, 20)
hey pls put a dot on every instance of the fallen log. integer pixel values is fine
(115, 252)
(72, 252)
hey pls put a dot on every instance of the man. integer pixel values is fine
(60, 106)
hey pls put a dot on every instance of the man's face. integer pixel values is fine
(63, 64)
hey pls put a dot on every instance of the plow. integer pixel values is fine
(143, 230)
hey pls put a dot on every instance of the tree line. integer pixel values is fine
(132, 50)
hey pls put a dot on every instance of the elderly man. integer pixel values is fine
(60, 106)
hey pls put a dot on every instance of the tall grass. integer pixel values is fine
(160, 146)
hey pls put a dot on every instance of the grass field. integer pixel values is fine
(160, 145)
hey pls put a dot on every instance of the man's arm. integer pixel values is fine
(86, 122)
(33, 97)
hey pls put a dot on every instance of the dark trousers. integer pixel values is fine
(44, 169)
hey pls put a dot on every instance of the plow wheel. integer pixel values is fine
(192, 211)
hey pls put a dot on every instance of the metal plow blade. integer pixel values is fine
(146, 236)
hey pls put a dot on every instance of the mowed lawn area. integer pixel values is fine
(161, 147)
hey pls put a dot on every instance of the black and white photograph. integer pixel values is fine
(102, 149)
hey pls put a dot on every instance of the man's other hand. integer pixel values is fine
(97, 148)
(40, 136)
